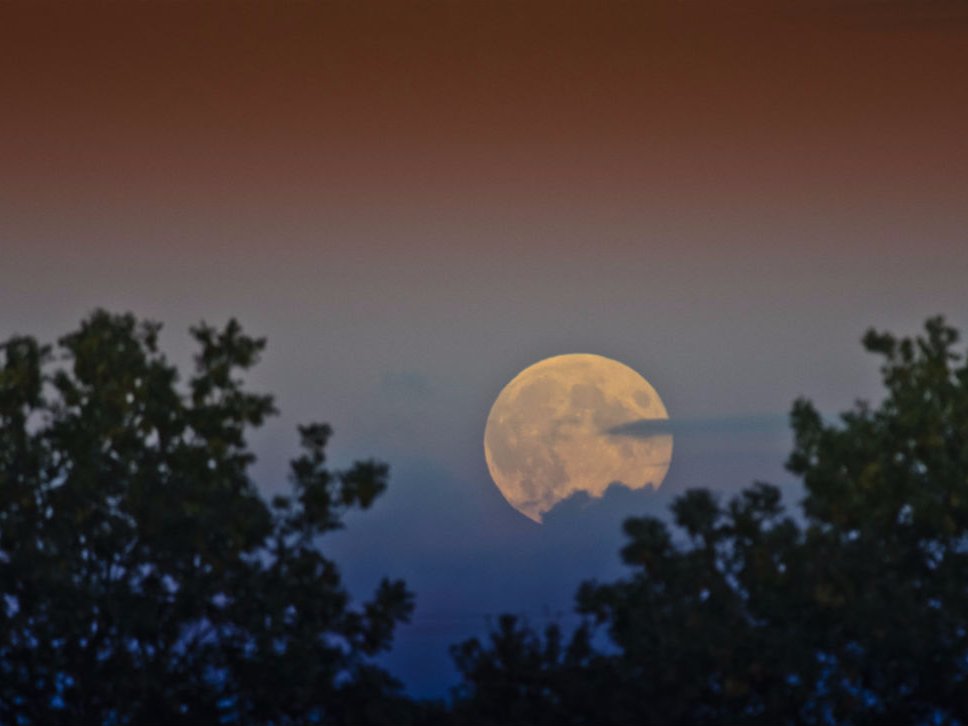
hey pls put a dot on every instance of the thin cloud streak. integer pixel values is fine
(649, 427)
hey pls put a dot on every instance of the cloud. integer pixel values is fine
(603, 516)
(644, 428)
(648, 427)
(469, 556)
(407, 384)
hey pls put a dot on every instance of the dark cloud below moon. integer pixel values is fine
(468, 555)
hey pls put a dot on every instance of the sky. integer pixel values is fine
(415, 201)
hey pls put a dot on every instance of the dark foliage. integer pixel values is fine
(143, 578)
(856, 613)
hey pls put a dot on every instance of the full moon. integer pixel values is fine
(551, 432)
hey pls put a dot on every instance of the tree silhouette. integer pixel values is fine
(143, 577)
(856, 612)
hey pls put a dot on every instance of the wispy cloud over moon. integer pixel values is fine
(649, 427)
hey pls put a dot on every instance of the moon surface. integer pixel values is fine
(547, 435)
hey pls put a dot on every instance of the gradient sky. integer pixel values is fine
(414, 201)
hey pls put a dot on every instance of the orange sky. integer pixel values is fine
(343, 101)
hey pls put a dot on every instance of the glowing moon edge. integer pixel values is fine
(551, 432)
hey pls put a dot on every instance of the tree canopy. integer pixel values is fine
(143, 576)
(855, 611)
